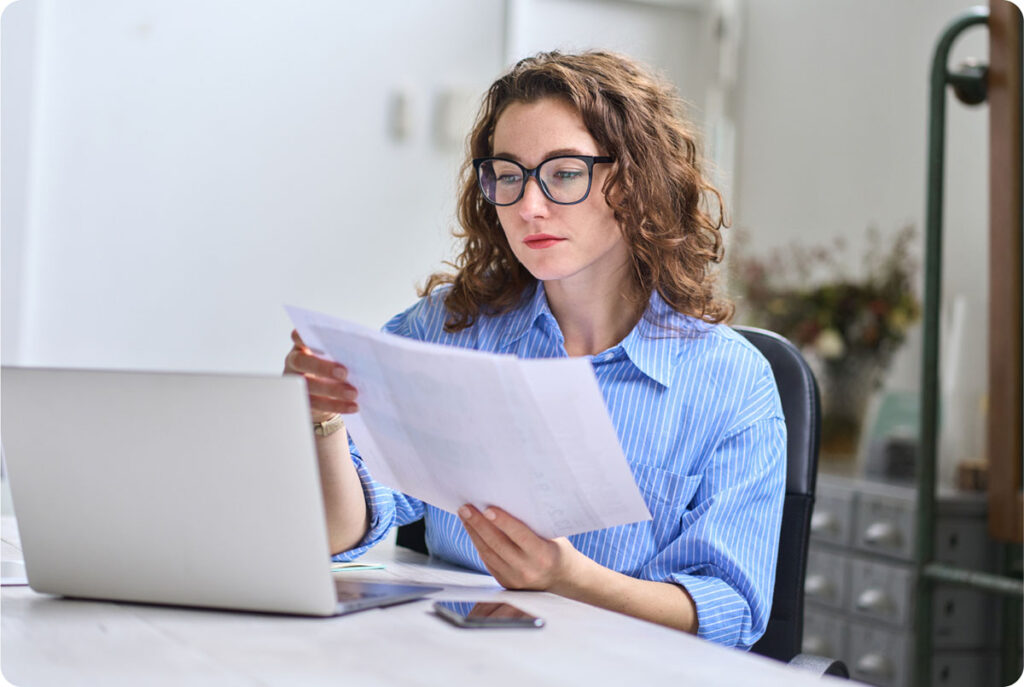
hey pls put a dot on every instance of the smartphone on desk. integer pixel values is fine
(482, 614)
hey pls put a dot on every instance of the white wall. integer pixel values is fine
(832, 127)
(668, 36)
(196, 164)
(17, 71)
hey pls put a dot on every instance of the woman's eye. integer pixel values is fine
(507, 179)
(564, 177)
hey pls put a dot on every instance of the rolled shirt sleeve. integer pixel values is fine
(733, 531)
(387, 508)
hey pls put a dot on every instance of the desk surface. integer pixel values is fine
(48, 640)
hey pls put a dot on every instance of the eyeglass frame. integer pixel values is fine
(591, 160)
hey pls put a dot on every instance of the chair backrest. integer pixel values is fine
(800, 405)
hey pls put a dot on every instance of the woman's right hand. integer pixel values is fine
(327, 381)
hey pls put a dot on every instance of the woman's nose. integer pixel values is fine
(533, 203)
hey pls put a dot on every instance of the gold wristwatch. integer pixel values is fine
(327, 427)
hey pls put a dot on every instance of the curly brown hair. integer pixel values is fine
(670, 215)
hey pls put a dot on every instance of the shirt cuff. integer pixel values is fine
(723, 616)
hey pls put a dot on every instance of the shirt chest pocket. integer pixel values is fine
(668, 496)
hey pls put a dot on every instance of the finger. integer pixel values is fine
(332, 406)
(301, 362)
(494, 562)
(339, 391)
(297, 340)
(302, 359)
(299, 344)
(495, 539)
(518, 532)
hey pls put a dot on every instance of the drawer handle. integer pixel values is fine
(874, 601)
(819, 587)
(875, 665)
(824, 523)
(883, 534)
(816, 646)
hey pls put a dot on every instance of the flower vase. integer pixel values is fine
(846, 387)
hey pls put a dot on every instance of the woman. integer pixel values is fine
(589, 230)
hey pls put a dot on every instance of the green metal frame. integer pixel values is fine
(970, 85)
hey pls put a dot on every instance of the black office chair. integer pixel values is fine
(801, 407)
(802, 410)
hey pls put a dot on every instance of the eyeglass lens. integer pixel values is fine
(564, 180)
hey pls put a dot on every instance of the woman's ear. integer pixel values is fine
(613, 194)
(611, 187)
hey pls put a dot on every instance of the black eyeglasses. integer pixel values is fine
(565, 179)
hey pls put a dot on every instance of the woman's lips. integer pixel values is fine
(540, 241)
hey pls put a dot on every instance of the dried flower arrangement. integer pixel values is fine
(848, 326)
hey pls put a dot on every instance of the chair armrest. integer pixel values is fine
(820, 665)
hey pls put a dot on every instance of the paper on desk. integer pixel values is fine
(452, 426)
(355, 566)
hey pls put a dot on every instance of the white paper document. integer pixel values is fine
(452, 426)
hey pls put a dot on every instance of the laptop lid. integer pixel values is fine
(171, 488)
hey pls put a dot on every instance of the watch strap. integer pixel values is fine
(326, 428)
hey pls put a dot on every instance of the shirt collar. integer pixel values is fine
(658, 342)
(533, 307)
(653, 346)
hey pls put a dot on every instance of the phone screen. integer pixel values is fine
(485, 614)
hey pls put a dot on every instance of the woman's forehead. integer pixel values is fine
(526, 130)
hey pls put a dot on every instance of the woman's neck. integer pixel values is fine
(592, 317)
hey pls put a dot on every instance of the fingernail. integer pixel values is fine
(490, 514)
(464, 513)
(340, 372)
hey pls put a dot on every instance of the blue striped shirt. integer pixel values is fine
(698, 415)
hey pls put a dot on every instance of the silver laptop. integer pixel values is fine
(184, 489)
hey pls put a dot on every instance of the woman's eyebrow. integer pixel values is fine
(550, 154)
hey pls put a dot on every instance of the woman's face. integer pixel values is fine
(579, 243)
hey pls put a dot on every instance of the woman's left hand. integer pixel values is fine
(520, 559)
(517, 556)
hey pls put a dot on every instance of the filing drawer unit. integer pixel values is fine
(859, 588)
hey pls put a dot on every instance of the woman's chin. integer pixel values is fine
(545, 270)
(548, 275)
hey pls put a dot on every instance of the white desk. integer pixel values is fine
(47, 640)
